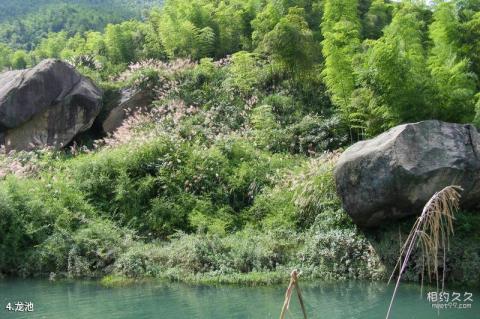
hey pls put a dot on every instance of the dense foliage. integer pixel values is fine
(373, 63)
(228, 175)
(24, 23)
(10, 10)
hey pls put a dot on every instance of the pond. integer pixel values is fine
(332, 300)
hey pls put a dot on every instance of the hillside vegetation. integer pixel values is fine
(228, 176)
(24, 23)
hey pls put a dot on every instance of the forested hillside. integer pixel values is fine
(24, 23)
(227, 175)
(379, 63)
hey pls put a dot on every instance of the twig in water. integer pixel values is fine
(288, 295)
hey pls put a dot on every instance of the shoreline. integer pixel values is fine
(250, 280)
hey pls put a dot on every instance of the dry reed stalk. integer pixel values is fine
(431, 231)
(288, 295)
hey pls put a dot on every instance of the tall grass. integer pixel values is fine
(431, 231)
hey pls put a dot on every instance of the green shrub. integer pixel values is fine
(309, 135)
(244, 74)
(95, 248)
(254, 251)
(155, 187)
(301, 198)
(284, 107)
(316, 198)
(274, 208)
(242, 252)
(141, 260)
(15, 238)
(34, 212)
(314, 135)
(340, 254)
(195, 253)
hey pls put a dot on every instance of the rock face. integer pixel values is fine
(46, 105)
(394, 174)
(129, 101)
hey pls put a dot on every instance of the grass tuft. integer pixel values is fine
(431, 232)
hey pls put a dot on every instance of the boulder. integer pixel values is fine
(46, 105)
(394, 174)
(128, 102)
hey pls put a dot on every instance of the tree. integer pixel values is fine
(341, 32)
(122, 41)
(5, 56)
(233, 21)
(206, 28)
(187, 30)
(395, 71)
(152, 46)
(74, 47)
(51, 46)
(476, 120)
(95, 44)
(265, 21)
(245, 73)
(290, 43)
(378, 17)
(19, 60)
(28, 21)
(454, 82)
(469, 17)
(273, 11)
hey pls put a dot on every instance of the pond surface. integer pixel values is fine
(338, 300)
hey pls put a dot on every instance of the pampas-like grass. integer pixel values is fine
(431, 232)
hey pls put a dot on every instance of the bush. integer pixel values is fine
(140, 260)
(245, 74)
(155, 187)
(309, 135)
(302, 197)
(316, 199)
(275, 209)
(95, 248)
(35, 212)
(339, 254)
(254, 251)
(242, 252)
(314, 135)
(284, 107)
(195, 253)
(463, 255)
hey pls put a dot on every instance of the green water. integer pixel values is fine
(340, 300)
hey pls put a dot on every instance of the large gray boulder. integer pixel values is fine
(394, 174)
(128, 102)
(47, 105)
